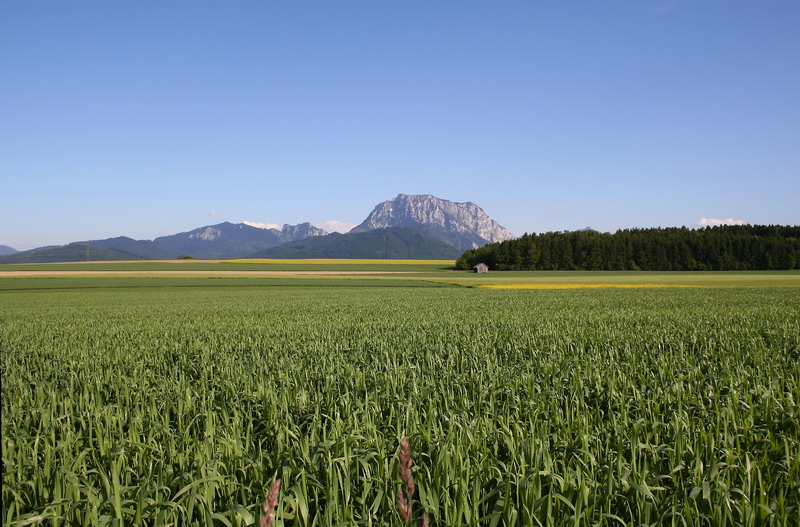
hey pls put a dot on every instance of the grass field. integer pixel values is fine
(166, 400)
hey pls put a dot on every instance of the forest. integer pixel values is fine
(720, 248)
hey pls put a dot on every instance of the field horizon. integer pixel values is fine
(441, 272)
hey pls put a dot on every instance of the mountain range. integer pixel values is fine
(407, 226)
(234, 240)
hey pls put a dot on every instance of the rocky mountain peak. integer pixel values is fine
(463, 225)
(290, 233)
(206, 234)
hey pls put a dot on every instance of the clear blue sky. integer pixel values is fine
(140, 118)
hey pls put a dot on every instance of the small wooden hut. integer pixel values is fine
(480, 268)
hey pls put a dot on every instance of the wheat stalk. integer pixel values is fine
(269, 505)
(405, 496)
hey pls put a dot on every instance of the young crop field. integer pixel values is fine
(179, 401)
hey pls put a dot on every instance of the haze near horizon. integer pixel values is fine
(144, 119)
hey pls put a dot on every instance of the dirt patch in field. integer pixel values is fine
(193, 273)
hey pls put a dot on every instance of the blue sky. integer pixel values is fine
(145, 118)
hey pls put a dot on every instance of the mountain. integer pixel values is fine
(229, 240)
(140, 248)
(5, 250)
(462, 225)
(74, 252)
(393, 242)
(290, 233)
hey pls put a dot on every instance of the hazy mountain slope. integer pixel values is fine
(463, 225)
(142, 248)
(377, 243)
(229, 240)
(74, 252)
(6, 250)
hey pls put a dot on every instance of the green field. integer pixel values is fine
(179, 400)
(631, 278)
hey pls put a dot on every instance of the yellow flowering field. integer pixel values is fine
(581, 286)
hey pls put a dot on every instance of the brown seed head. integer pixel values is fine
(405, 496)
(270, 504)
(403, 507)
(405, 469)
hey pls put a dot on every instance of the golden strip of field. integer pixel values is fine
(581, 286)
(340, 261)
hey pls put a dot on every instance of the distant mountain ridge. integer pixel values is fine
(462, 225)
(224, 240)
(390, 243)
(73, 252)
(144, 249)
(5, 250)
(229, 240)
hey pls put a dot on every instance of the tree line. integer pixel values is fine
(721, 248)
